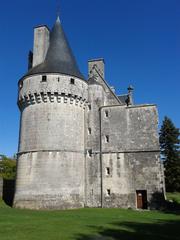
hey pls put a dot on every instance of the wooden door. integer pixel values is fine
(139, 200)
(141, 196)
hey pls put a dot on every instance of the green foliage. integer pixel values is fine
(169, 143)
(7, 167)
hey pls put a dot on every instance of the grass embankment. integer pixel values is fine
(86, 224)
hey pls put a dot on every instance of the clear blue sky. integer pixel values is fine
(139, 40)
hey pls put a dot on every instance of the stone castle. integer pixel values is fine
(81, 145)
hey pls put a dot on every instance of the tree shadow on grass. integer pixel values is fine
(161, 230)
(172, 207)
(159, 203)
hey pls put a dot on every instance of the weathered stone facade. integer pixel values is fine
(81, 145)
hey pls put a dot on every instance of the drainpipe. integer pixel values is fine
(101, 164)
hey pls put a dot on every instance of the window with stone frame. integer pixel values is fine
(89, 131)
(107, 138)
(108, 192)
(44, 78)
(106, 113)
(72, 81)
(108, 171)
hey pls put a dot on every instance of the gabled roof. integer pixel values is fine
(123, 99)
(59, 57)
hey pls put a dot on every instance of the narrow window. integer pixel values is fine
(89, 131)
(108, 192)
(107, 171)
(44, 78)
(107, 138)
(72, 81)
(58, 79)
(106, 113)
(89, 107)
(90, 152)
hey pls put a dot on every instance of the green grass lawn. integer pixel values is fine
(87, 224)
(173, 196)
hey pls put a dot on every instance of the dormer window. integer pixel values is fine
(72, 81)
(44, 78)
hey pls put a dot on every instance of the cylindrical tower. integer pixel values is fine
(52, 99)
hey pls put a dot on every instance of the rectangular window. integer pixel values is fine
(107, 171)
(107, 138)
(106, 113)
(108, 192)
(72, 81)
(89, 107)
(44, 78)
(89, 152)
(89, 131)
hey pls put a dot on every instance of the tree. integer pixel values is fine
(7, 167)
(169, 145)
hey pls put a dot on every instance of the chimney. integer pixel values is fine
(98, 64)
(41, 44)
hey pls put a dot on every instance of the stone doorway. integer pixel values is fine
(141, 196)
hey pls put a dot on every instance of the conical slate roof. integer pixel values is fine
(59, 57)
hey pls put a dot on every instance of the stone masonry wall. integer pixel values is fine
(131, 128)
(146, 173)
(130, 155)
(52, 180)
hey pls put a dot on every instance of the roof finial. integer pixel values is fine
(58, 11)
(130, 89)
(129, 100)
